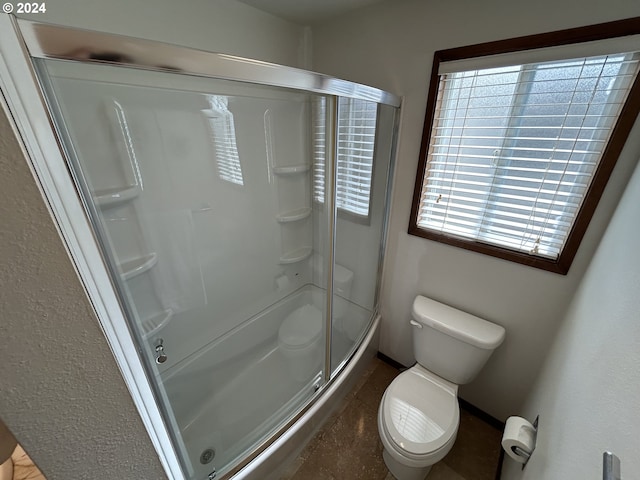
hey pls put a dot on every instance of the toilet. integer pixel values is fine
(419, 415)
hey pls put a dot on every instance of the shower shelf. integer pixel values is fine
(112, 197)
(296, 255)
(294, 215)
(135, 267)
(292, 170)
(154, 323)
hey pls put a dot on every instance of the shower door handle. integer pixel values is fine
(161, 357)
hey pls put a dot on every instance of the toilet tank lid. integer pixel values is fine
(458, 324)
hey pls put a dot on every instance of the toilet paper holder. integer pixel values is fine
(523, 453)
(519, 438)
(610, 466)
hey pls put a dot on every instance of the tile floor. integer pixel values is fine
(348, 446)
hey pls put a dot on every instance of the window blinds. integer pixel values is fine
(356, 141)
(319, 145)
(513, 149)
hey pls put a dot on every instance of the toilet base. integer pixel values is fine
(404, 472)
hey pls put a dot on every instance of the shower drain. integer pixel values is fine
(207, 456)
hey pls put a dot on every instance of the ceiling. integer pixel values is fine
(307, 11)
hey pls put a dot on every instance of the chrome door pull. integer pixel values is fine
(610, 467)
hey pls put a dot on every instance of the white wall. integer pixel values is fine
(589, 390)
(224, 26)
(390, 45)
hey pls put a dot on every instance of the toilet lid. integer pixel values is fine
(420, 415)
(301, 327)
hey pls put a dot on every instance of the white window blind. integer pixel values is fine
(223, 137)
(356, 140)
(513, 149)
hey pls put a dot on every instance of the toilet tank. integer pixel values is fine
(451, 343)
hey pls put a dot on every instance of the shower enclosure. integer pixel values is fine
(238, 209)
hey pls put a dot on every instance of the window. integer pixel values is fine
(223, 138)
(519, 142)
(356, 140)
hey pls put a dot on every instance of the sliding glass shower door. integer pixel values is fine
(201, 195)
(365, 133)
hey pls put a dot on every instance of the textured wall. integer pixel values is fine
(393, 50)
(61, 392)
(589, 390)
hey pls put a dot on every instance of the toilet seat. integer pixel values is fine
(420, 413)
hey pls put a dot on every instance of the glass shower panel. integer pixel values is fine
(200, 192)
(364, 151)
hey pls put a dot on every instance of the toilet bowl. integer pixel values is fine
(418, 422)
(419, 414)
(299, 340)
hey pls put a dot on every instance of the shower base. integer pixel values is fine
(234, 394)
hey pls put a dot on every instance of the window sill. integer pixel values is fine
(560, 265)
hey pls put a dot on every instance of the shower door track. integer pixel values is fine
(64, 43)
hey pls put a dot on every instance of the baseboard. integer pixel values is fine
(494, 422)
(391, 361)
(481, 414)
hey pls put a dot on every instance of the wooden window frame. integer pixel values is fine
(610, 155)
